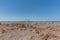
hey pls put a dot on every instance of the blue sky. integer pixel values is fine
(33, 10)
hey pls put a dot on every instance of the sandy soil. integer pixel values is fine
(42, 31)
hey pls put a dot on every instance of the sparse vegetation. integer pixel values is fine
(36, 31)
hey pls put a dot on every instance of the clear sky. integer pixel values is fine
(33, 10)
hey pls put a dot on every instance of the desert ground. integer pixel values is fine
(31, 31)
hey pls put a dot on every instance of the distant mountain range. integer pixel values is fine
(8, 22)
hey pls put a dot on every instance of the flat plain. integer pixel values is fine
(30, 31)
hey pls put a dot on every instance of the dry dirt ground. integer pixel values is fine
(42, 31)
